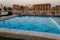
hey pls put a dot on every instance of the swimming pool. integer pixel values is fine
(31, 23)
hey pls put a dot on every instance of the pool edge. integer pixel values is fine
(7, 32)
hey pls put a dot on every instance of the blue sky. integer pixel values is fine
(27, 2)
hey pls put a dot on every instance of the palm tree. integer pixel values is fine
(0, 10)
(5, 8)
(9, 11)
(53, 12)
(22, 8)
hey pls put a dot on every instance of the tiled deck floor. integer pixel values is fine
(24, 38)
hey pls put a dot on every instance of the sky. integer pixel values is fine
(28, 2)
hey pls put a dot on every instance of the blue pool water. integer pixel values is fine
(57, 19)
(38, 24)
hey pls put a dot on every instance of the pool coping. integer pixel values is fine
(57, 25)
(28, 33)
(7, 17)
(12, 16)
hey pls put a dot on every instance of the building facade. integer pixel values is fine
(58, 9)
(37, 9)
(15, 9)
(27, 10)
(41, 9)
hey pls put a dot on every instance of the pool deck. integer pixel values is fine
(6, 17)
(17, 33)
